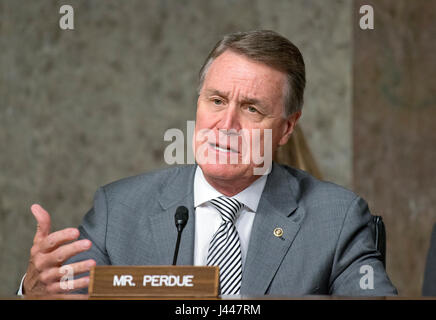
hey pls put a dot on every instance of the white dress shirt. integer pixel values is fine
(208, 219)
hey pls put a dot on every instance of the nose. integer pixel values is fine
(229, 119)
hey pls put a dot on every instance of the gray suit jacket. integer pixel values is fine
(326, 238)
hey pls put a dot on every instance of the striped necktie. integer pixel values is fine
(225, 247)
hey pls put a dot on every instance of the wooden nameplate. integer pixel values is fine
(153, 281)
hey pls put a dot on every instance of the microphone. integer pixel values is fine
(180, 218)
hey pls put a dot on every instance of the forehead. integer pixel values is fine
(235, 73)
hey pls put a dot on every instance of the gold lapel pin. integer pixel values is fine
(278, 232)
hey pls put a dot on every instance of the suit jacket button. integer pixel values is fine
(278, 232)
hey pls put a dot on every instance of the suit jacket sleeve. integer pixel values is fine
(357, 268)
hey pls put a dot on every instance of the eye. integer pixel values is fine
(217, 102)
(252, 109)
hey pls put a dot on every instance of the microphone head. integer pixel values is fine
(181, 217)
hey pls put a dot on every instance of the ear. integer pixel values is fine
(288, 127)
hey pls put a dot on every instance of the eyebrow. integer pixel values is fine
(245, 100)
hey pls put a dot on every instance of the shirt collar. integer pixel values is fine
(250, 196)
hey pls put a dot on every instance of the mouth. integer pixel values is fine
(220, 148)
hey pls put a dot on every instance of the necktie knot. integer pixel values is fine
(227, 207)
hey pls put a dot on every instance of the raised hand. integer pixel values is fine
(49, 252)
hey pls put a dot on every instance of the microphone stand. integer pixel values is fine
(176, 250)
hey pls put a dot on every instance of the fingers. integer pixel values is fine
(66, 275)
(61, 254)
(58, 238)
(71, 285)
(43, 222)
(66, 271)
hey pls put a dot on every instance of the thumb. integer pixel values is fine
(43, 221)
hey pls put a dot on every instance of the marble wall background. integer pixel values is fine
(394, 110)
(81, 108)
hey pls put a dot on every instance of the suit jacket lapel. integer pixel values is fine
(277, 209)
(162, 225)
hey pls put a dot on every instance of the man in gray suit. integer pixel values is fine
(281, 232)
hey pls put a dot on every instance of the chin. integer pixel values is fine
(226, 171)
